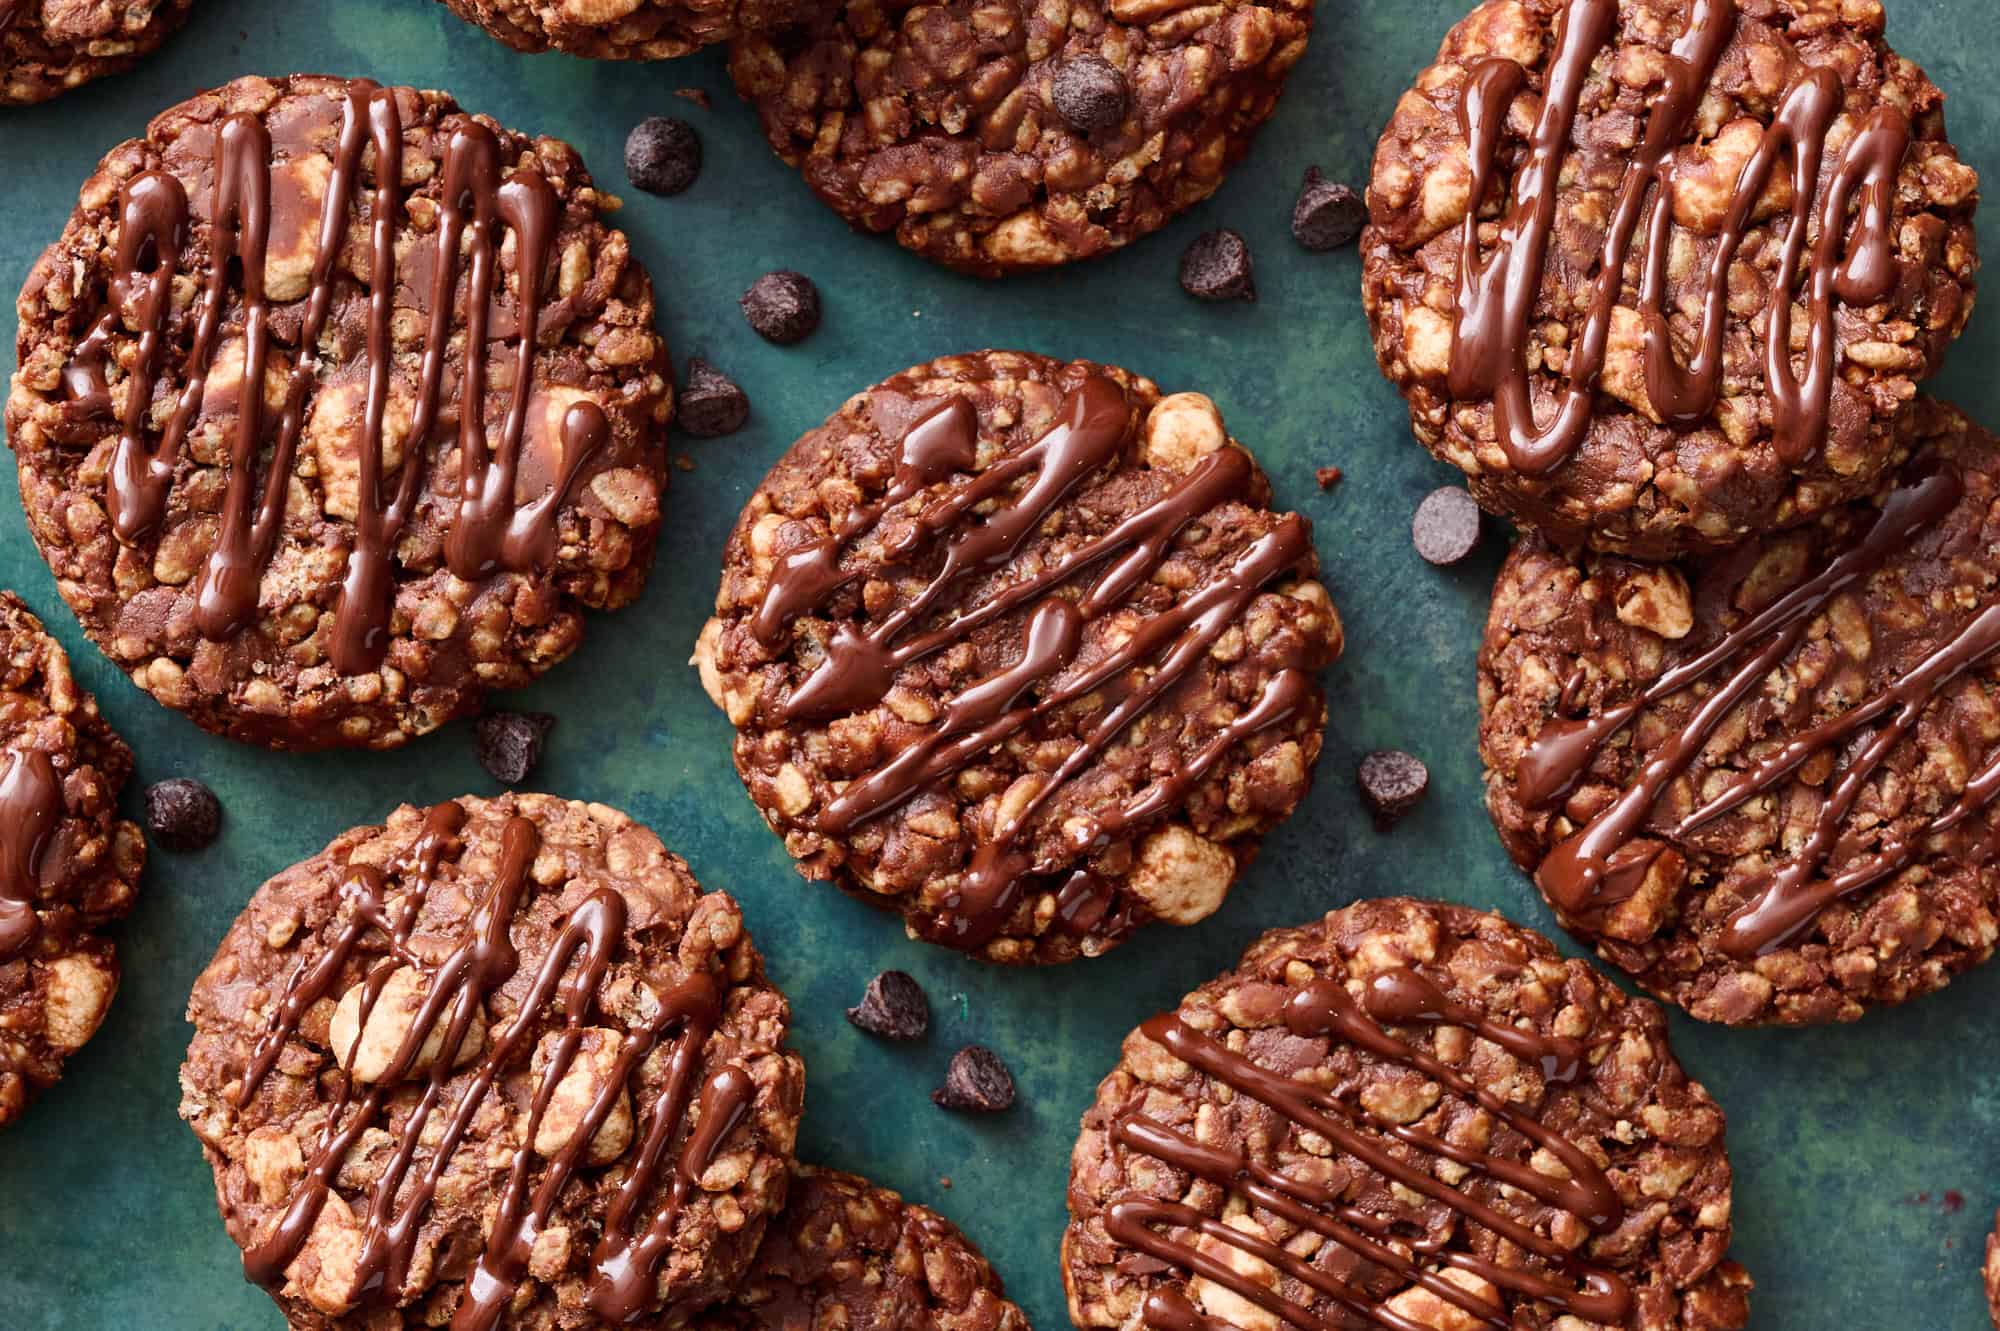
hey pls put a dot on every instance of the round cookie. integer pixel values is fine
(426, 524)
(621, 29)
(1762, 781)
(1018, 648)
(1003, 137)
(69, 865)
(1411, 1116)
(1580, 215)
(848, 1254)
(48, 47)
(498, 1063)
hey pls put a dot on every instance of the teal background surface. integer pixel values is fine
(1852, 1146)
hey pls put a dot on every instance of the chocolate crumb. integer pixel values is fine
(682, 462)
(1090, 93)
(782, 307)
(1328, 477)
(509, 744)
(1446, 527)
(1328, 214)
(893, 1007)
(662, 155)
(182, 814)
(1217, 267)
(944, 1181)
(699, 96)
(1392, 783)
(977, 1082)
(711, 405)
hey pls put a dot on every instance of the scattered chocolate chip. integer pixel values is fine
(1090, 93)
(509, 744)
(1217, 267)
(893, 1007)
(782, 307)
(1392, 782)
(711, 404)
(699, 96)
(662, 155)
(1328, 214)
(1328, 477)
(182, 814)
(1446, 527)
(977, 1082)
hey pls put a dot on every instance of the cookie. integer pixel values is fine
(498, 1063)
(1002, 137)
(69, 865)
(1407, 1115)
(622, 29)
(1762, 781)
(1581, 218)
(48, 47)
(1018, 648)
(846, 1253)
(1990, 1272)
(425, 524)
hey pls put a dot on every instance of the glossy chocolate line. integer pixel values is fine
(31, 804)
(152, 219)
(10, 13)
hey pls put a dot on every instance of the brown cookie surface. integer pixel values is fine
(846, 1253)
(421, 502)
(622, 29)
(1762, 781)
(1990, 1273)
(69, 866)
(1659, 274)
(499, 1063)
(997, 138)
(48, 47)
(1408, 1115)
(1017, 648)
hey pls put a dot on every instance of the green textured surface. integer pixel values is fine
(1845, 1141)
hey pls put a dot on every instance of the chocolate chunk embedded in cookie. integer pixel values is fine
(622, 29)
(1763, 781)
(421, 501)
(69, 865)
(1408, 1116)
(1661, 274)
(499, 1063)
(1017, 648)
(845, 1253)
(48, 47)
(1019, 136)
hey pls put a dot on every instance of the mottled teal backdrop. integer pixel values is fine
(1853, 1146)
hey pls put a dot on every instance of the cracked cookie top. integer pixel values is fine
(48, 47)
(422, 498)
(1659, 274)
(1018, 648)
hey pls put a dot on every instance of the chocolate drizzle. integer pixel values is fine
(10, 13)
(1496, 296)
(1323, 1009)
(457, 989)
(31, 804)
(494, 530)
(860, 665)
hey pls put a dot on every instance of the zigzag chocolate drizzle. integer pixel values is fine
(31, 804)
(492, 531)
(1496, 296)
(1323, 1009)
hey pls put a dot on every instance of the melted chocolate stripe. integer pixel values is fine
(31, 805)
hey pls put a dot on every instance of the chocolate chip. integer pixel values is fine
(698, 96)
(1392, 782)
(977, 1082)
(711, 404)
(1090, 94)
(182, 814)
(510, 743)
(782, 307)
(894, 1007)
(662, 155)
(1327, 215)
(1446, 527)
(1217, 267)
(1328, 477)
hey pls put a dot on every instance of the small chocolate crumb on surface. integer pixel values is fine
(977, 1082)
(662, 155)
(893, 1007)
(782, 307)
(1090, 93)
(712, 404)
(1446, 527)
(1328, 214)
(182, 814)
(510, 743)
(1328, 477)
(1392, 783)
(699, 96)
(1217, 267)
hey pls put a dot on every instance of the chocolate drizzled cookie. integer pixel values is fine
(1018, 649)
(1408, 1116)
(498, 1063)
(456, 445)
(50, 46)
